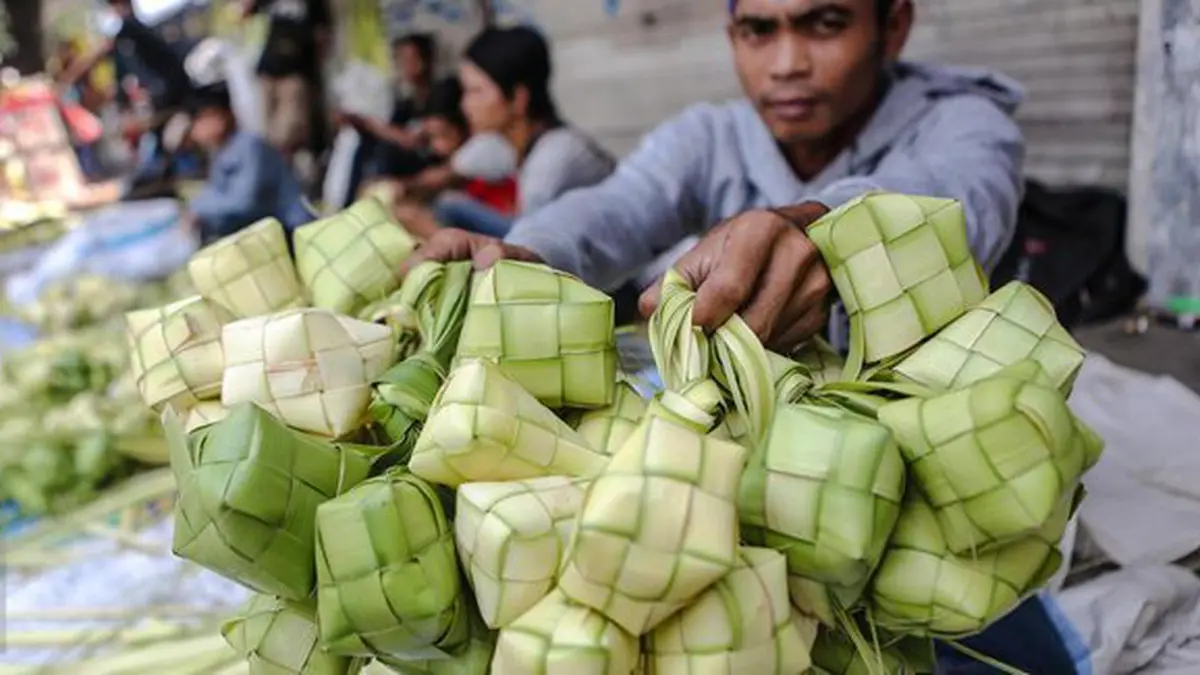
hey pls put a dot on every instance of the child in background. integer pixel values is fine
(248, 178)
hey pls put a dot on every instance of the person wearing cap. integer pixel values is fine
(249, 179)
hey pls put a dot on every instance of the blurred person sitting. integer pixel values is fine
(249, 179)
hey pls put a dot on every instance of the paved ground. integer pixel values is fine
(1162, 349)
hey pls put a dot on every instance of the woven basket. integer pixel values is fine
(741, 624)
(484, 427)
(175, 352)
(551, 333)
(994, 460)
(902, 267)
(249, 489)
(511, 540)
(388, 577)
(825, 489)
(311, 368)
(1013, 324)
(279, 637)
(559, 636)
(353, 258)
(250, 272)
(922, 589)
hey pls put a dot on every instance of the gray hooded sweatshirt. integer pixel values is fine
(938, 132)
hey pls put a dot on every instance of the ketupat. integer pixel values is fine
(923, 589)
(994, 460)
(437, 296)
(280, 637)
(607, 428)
(1013, 324)
(485, 427)
(824, 488)
(309, 367)
(548, 331)
(823, 363)
(352, 258)
(902, 267)
(176, 351)
(834, 653)
(559, 636)
(659, 524)
(473, 659)
(742, 624)
(511, 541)
(389, 582)
(250, 273)
(249, 488)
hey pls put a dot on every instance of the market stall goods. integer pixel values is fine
(353, 258)
(251, 273)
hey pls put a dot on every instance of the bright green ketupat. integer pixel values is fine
(996, 459)
(548, 331)
(834, 653)
(388, 578)
(249, 488)
(352, 258)
(280, 637)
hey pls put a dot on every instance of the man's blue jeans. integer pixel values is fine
(467, 214)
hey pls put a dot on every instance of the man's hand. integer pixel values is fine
(449, 245)
(761, 265)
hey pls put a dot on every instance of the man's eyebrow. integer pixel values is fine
(803, 16)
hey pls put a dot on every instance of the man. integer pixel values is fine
(297, 40)
(829, 114)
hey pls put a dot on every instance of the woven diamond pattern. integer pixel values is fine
(279, 637)
(250, 272)
(825, 489)
(352, 259)
(607, 429)
(994, 460)
(249, 488)
(1012, 324)
(742, 624)
(311, 368)
(923, 589)
(559, 636)
(901, 265)
(658, 526)
(484, 427)
(175, 352)
(388, 577)
(512, 538)
(550, 333)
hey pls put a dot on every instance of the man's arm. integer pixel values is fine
(973, 152)
(232, 191)
(605, 233)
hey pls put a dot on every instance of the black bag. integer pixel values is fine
(1070, 245)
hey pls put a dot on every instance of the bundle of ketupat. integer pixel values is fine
(708, 530)
(352, 258)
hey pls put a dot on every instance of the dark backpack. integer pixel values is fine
(1070, 245)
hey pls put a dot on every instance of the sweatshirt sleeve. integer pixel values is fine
(605, 233)
(972, 152)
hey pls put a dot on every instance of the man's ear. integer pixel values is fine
(897, 28)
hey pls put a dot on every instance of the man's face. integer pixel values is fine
(209, 128)
(809, 65)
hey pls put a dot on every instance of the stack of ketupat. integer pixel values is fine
(432, 509)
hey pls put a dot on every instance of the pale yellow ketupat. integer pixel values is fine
(175, 352)
(250, 273)
(311, 368)
(559, 637)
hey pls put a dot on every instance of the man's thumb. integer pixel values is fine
(648, 303)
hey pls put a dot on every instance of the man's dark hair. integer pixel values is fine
(422, 42)
(514, 57)
(883, 8)
(445, 101)
(210, 97)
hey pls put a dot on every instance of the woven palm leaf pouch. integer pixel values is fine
(352, 259)
(994, 460)
(1013, 324)
(902, 267)
(388, 578)
(175, 352)
(311, 368)
(250, 273)
(280, 637)
(548, 331)
(834, 653)
(249, 488)
(607, 429)
(560, 636)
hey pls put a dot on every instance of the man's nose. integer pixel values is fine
(792, 60)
